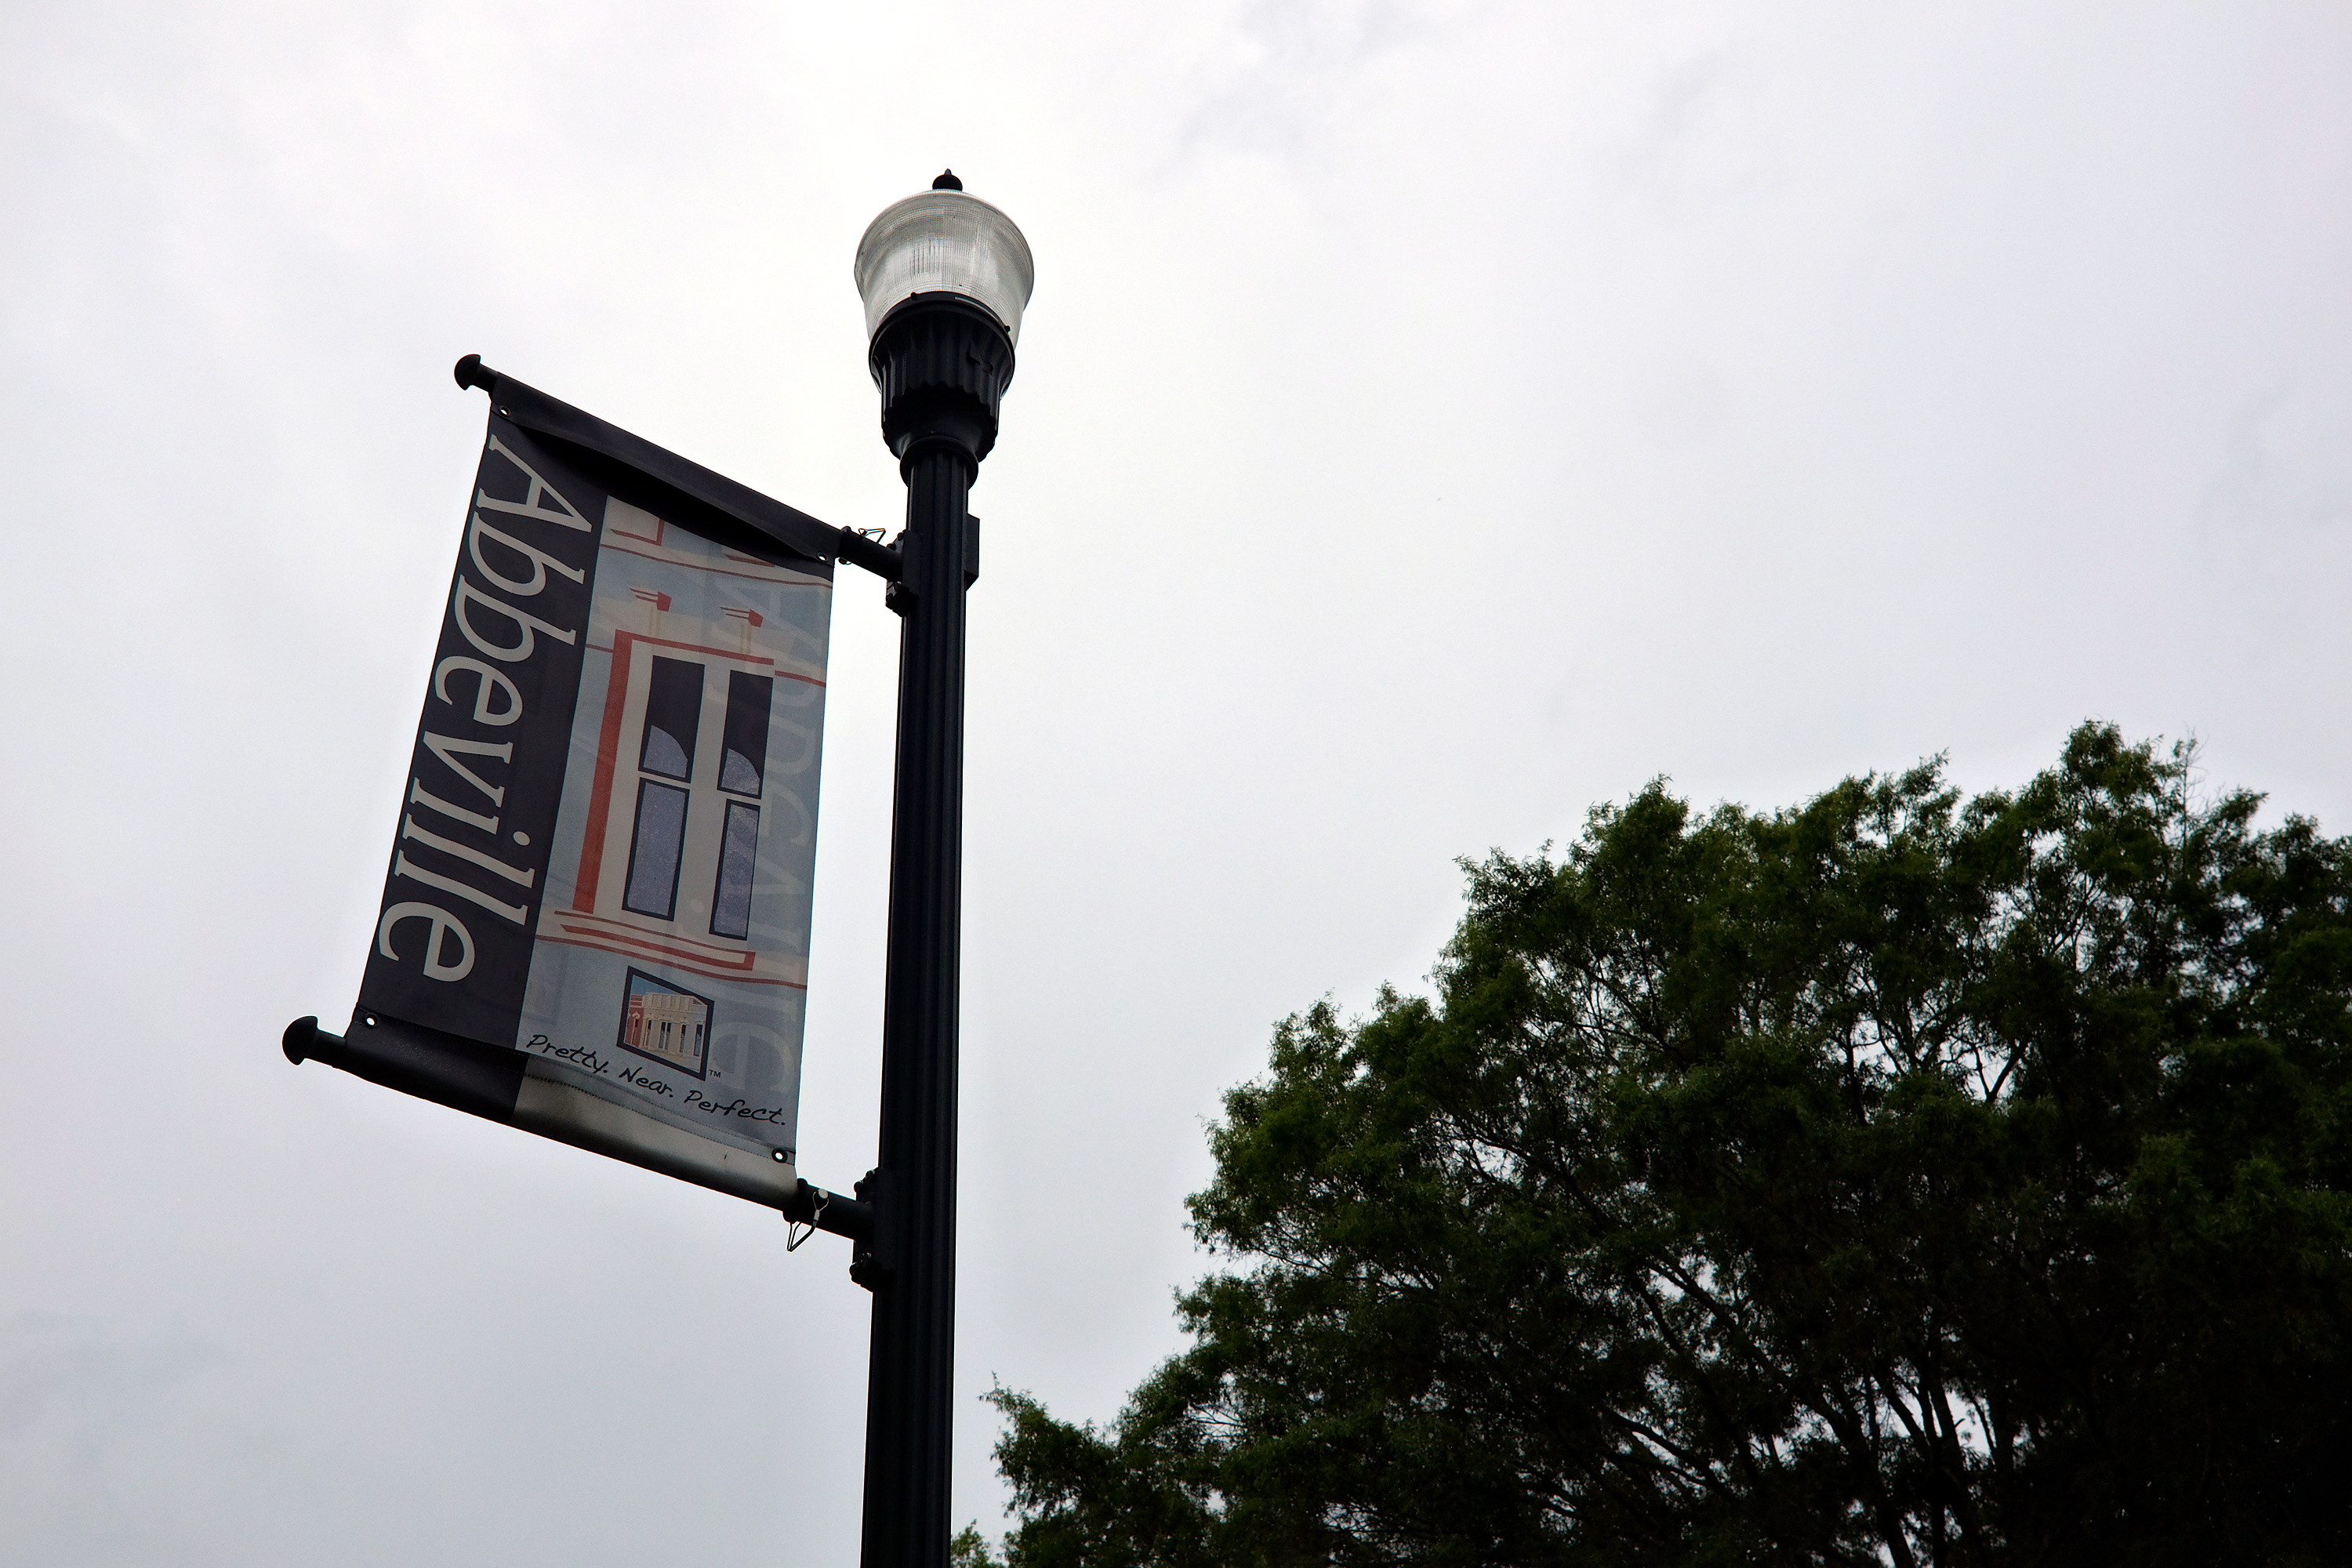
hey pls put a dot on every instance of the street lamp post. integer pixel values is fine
(944, 277)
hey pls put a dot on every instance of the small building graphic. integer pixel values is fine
(665, 1023)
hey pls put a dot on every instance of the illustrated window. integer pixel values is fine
(673, 718)
(685, 778)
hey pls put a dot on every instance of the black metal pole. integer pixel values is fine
(942, 363)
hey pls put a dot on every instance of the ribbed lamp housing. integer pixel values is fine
(941, 363)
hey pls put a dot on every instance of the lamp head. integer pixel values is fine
(944, 242)
(944, 276)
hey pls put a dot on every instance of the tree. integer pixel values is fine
(970, 1550)
(1893, 1179)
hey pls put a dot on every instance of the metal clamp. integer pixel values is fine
(808, 1227)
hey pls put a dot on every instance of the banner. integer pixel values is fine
(596, 918)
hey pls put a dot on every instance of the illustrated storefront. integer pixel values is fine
(679, 892)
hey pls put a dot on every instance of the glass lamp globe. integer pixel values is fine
(945, 242)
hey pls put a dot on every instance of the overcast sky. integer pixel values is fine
(1431, 420)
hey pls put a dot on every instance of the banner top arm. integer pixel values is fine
(796, 530)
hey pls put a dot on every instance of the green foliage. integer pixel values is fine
(1893, 1179)
(970, 1550)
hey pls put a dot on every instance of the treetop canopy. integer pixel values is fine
(1898, 1177)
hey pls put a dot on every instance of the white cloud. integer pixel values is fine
(1430, 420)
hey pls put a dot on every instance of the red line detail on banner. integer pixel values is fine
(623, 930)
(792, 581)
(727, 653)
(741, 962)
(691, 968)
(600, 799)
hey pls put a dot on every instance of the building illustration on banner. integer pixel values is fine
(680, 888)
(663, 1024)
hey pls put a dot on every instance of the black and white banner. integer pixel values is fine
(603, 858)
